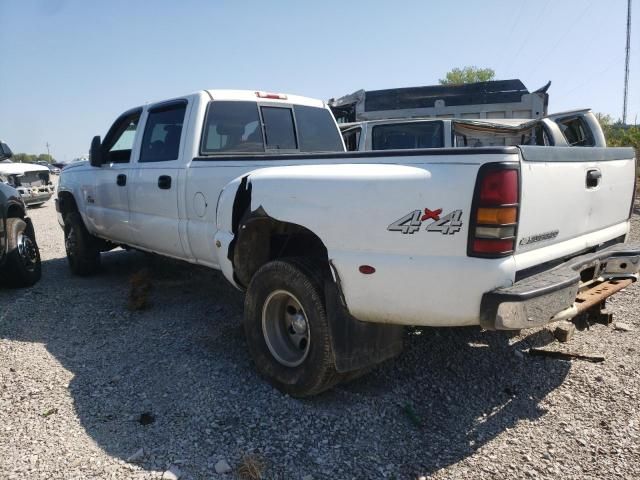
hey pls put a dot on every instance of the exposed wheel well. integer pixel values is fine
(66, 203)
(261, 239)
(15, 211)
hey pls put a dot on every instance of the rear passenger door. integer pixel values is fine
(154, 193)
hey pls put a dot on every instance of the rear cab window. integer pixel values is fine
(398, 136)
(247, 127)
(317, 130)
(279, 129)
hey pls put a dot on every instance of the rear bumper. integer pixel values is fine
(551, 295)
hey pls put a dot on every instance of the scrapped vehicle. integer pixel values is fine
(579, 128)
(52, 168)
(480, 100)
(19, 254)
(336, 250)
(32, 181)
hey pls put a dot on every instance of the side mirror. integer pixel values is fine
(5, 151)
(95, 154)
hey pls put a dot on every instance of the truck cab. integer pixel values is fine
(147, 170)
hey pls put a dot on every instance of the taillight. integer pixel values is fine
(494, 212)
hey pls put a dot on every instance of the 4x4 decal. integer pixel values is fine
(412, 222)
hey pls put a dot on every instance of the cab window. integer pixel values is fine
(576, 132)
(162, 133)
(232, 127)
(352, 139)
(118, 142)
(408, 136)
(317, 130)
(279, 131)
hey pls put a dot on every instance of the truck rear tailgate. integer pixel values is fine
(572, 198)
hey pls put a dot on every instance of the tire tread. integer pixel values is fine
(15, 275)
(319, 377)
(87, 259)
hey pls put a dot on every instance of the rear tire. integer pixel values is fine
(286, 328)
(22, 267)
(82, 249)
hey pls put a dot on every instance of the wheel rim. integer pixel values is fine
(285, 328)
(27, 251)
(70, 242)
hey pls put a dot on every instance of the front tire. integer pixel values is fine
(82, 249)
(22, 267)
(286, 328)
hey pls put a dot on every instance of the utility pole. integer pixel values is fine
(49, 153)
(626, 64)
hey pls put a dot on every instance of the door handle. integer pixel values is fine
(593, 178)
(164, 182)
(121, 180)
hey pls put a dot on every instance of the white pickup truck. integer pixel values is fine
(336, 250)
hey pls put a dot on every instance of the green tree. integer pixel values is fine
(45, 157)
(29, 158)
(619, 135)
(469, 74)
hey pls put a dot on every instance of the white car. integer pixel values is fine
(338, 250)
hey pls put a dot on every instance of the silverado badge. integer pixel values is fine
(540, 237)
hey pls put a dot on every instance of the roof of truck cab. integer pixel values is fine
(251, 95)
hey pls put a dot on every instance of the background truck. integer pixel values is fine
(336, 250)
(19, 254)
(32, 181)
(577, 128)
(480, 100)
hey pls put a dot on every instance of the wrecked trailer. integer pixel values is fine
(481, 100)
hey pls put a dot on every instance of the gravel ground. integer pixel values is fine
(78, 373)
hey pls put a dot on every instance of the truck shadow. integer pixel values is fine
(182, 368)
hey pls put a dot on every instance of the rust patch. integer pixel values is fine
(596, 294)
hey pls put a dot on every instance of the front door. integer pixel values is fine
(108, 207)
(153, 198)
